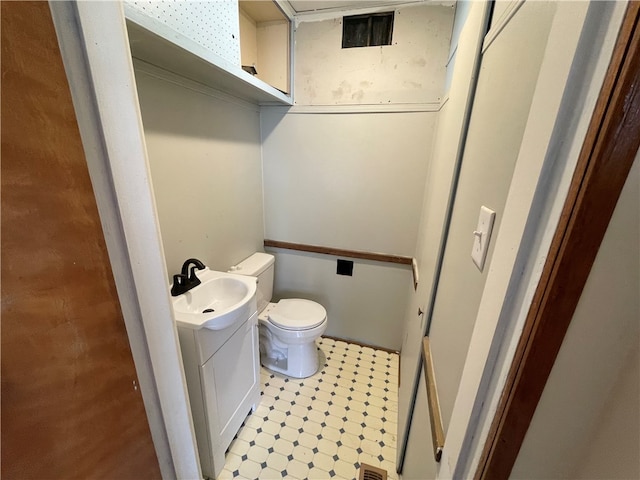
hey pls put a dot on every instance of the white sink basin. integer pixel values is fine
(218, 302)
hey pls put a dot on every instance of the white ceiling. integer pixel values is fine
(261, 11)
(306, 6)
(267, 11)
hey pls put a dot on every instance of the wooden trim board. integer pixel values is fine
(435, 418)
(607, 154)
(340, 252)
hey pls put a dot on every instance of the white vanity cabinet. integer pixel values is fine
(223, 378)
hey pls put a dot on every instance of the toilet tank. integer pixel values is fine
(259, 265)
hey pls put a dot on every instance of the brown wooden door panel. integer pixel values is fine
(70, 405)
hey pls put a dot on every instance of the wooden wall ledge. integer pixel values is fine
(339, 252)
(437, 431)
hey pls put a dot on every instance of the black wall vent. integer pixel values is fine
(369, 30)
(345, 267)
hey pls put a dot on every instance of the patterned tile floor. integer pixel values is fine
(323, 426)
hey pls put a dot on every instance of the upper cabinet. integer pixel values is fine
(265, 33)
(210, 42)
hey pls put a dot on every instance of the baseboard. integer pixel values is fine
(355, 342)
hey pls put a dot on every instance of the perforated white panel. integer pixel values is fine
(212, 24)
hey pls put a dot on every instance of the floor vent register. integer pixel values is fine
(369, 472)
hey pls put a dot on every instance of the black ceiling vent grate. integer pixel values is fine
(369, 472)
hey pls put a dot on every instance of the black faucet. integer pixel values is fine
(186, 279)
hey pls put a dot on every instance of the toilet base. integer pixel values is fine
(301, 361)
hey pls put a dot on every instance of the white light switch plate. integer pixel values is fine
(481, 236)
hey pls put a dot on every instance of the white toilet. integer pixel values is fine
(288, 328)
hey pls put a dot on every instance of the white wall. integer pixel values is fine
(447, 142)
(411, 70)
(504, 92)
(578, 52)
(614, 443)
(204, 154)
(463, 8)
(354, 179)
(419, 463)
(248, 39)
(345, 180)
(587, 424)
(366, 307)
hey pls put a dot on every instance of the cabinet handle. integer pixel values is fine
(420, 312)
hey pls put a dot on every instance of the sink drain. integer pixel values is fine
(208, 310)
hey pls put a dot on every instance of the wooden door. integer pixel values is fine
(71, 407)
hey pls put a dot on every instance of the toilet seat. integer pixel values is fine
(297, 314)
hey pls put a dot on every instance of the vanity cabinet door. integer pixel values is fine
(230, 384)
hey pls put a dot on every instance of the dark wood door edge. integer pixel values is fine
(606, 157)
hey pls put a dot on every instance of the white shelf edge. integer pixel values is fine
(360, 108)
(158, 45)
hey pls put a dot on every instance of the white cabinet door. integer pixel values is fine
(231, 387)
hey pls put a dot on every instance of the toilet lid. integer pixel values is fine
(297, 314)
